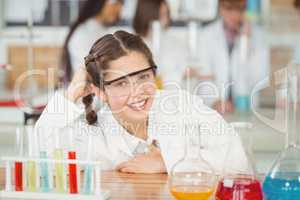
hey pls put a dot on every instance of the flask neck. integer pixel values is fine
(293, 106)
(193, 146)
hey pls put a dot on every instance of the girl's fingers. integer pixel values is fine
(128, 170)
(122, 165)
(88, 90)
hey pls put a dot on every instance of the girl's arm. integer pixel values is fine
(61, 114)
(150, 163)
(61, 109)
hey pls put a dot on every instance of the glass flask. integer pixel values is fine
(240, 184)
(282, 182)
(192, 178)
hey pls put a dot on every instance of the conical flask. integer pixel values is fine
(283, 180)
(240, 184)
(192, 178)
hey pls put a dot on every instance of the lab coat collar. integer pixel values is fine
(114, 132)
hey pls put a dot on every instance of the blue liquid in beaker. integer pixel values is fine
(282, 188)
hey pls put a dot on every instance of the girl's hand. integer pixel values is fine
(149, 163)
(79, 86)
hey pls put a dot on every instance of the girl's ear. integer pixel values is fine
(99, 93)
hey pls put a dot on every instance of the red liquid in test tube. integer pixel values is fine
(72, 174)
(19, 165)
(18, 176)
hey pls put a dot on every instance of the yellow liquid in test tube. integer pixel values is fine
(192, 192)
(31, 176)
(59, 171)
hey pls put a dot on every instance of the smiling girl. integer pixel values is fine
(140, 128)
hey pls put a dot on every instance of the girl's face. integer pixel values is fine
(130, 97)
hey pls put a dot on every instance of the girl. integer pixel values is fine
(140, 129)
(171, 70)
(94, 18)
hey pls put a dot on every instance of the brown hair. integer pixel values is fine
(146, 12)
(297, 4)
(108, 48)
(88, 10)
(240, 4)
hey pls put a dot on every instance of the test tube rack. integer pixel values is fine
(9, 191)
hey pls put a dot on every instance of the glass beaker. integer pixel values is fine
(240, 184)
(283, 180)
(192, 178)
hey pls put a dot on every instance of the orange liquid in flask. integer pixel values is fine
(192, 192)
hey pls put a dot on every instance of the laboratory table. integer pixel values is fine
(129, 186)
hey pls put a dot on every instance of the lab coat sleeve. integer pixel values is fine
(225, 150)
(221, 143)
(64, 117)
(59, 115)
(59, 112)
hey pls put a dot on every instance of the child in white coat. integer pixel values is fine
(140, 128)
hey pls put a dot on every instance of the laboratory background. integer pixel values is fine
(235, 55)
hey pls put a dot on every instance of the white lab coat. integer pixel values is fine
(82, 40)
(169, 112)
(215, 60)
(171, 58)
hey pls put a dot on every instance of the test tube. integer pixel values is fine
(59, 168)
(98, 180)
(88, 170)
(18, 164)
(31, 165)
(8, 177)
(73, 187)
(44, 169)
(18, 176)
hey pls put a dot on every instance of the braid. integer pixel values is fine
(91, 115)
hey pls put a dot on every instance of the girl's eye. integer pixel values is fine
(121, 84)
(145, 76)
